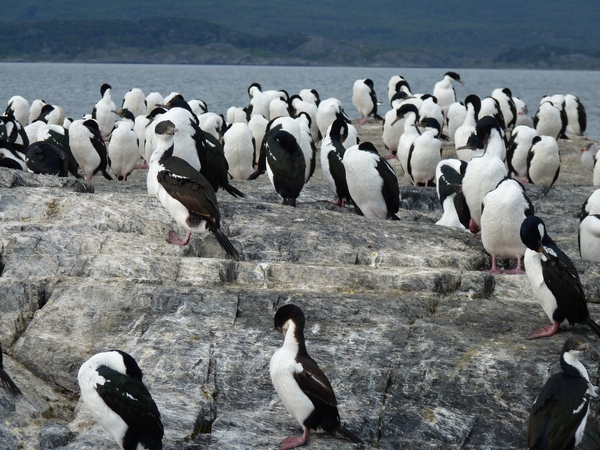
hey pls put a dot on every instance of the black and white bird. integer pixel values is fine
(554, 280)
(213, 124)
(123, 147)
(88, 147)
(543, 161)
(153, 99)
(502, 213)
(365, 99)
(239, 149)
(112, 390)
(300, 106)
(589, 228)
(576, 115)
(559, 413)
(332, 155)
(549, 120)
(307, 145)
(589, 238)
(425, 153)
(134, 101)
(285, 165)
(18, 107)
(410, 114)
(464, 131)
(310, 96)
(301, 385)
(507, 106)
(449, 174)
(457, 113)
(517, 151)
(103, 112)
(6, 380)
(10, 157)
(491, 107)
(393, 127)
(444, 91)
(397, 84)
(45, 158)
(329, 110)
(185, 193)
(372, 182)
(484, 172)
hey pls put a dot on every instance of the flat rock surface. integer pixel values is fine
(424, 349)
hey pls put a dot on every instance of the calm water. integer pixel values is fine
(76, 87)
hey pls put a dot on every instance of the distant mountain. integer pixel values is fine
(467, 33)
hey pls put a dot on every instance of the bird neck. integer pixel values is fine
(294, 340)
(571, 365)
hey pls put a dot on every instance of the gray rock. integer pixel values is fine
(424, 349)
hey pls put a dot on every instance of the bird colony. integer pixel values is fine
(486, 164)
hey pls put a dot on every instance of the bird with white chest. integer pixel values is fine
(123, 147)
(589, 228)
(449, 174)
(184, 192)
(238, 145)
(112, 390)
(18, 107)
(576, 115)
(554, 281)
(88, 147)
(425, 153)
(103, 112)
(517, 151)
(543, 161)
(365, 99)
(134, 101)
(502, 213)
(444, 91)
(372, 182)
(484, 172)
(300, 383)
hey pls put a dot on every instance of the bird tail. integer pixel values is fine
(226, 244)
(289, 201)
(377, 116)
(9, 383)
(593, 325)
(106, 175)
(349, 434)
(395, 217)
(233, 191)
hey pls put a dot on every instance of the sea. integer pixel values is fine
(76, 87)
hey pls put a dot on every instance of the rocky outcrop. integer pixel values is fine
(424, 349)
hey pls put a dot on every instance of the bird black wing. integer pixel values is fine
(99, 146)
(338, 172)
(129, 398)
(313, 382)
(408, 165)
(390, 188)
(557, 412)
(563, 281)
(510, 153)
(581, 116)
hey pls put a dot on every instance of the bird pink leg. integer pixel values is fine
(89, 178)
(294, 441)
(362, 120)
(494, 268)
(517, 270)
(545, 331)
(339, 202)
(473, 227)
(143, 165)
(391, 156)
(174, 239)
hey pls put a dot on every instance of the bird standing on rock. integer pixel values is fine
(559, 413)
(301, 385)
(285, 166)
(554, 280)
(365, 99)
(185, 193)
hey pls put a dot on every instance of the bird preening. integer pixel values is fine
(303, 388)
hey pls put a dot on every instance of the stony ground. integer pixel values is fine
(424, 349)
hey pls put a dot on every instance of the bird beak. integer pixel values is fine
(461, 82)
(398, 118)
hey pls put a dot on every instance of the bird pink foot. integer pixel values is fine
(517, 270)
(473, 227)
(362, 120)
(174, 239)
(294, 441)
(143, 165)
(550, 330)
(494, 268)
(391, 156)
